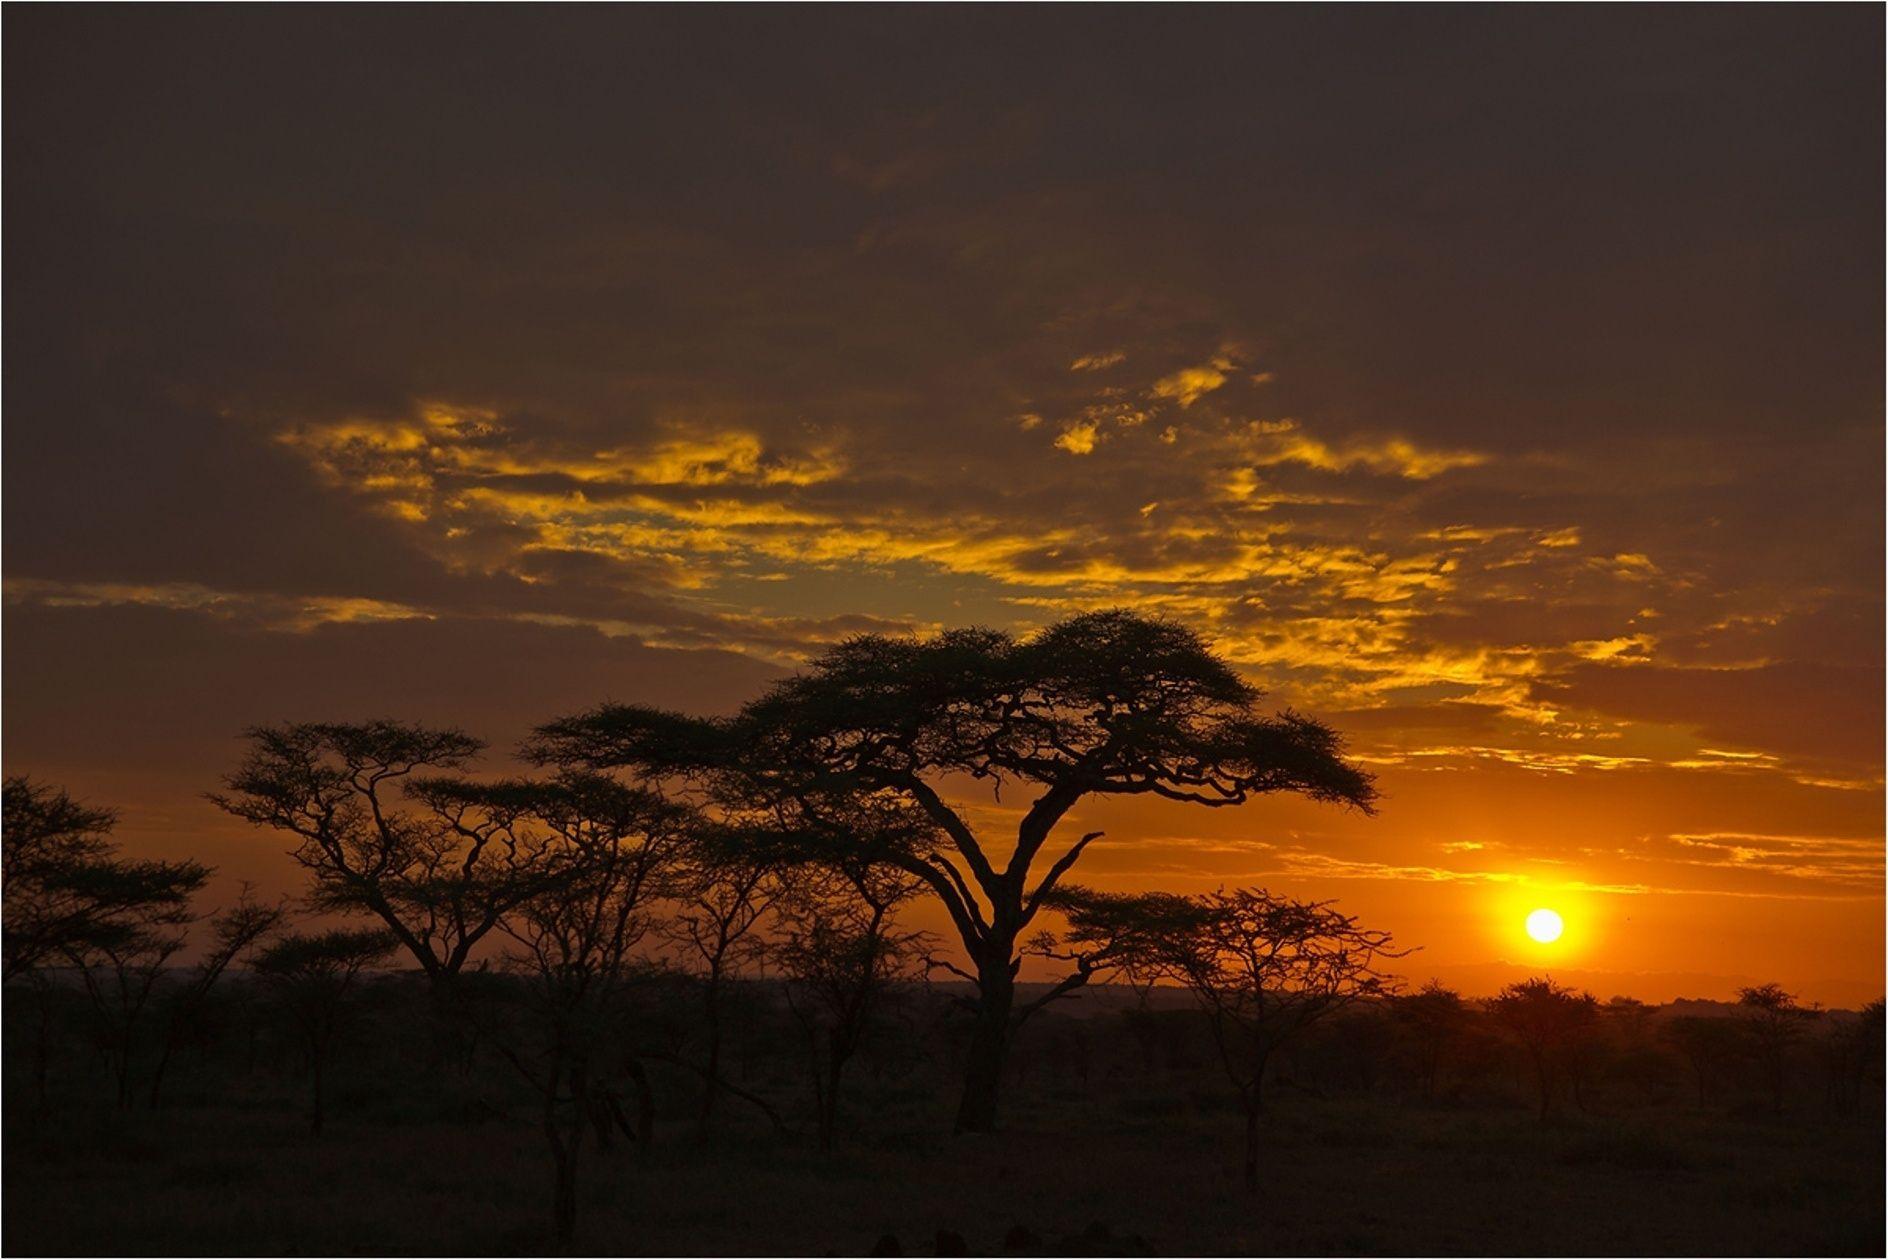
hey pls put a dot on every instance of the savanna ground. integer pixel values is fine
(1110, 1166)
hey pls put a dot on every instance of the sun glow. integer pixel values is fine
(1544, 926)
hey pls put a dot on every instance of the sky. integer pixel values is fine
(1502, 386)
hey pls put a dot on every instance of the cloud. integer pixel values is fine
(1284, 442)
(1079, 437)
(1789, 709)
(1189, 385)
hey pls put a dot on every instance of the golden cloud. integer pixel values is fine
(1189, 385)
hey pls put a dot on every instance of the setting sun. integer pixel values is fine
(1544, 926)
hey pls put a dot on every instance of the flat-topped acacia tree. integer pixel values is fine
(438, 861)
(1105, 703)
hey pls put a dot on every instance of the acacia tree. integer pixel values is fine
(1773, 1020)
(840, 950)
(233, 932)
(1706, 1044)
(1852, 1052)
(68, 894)
(1550, 1021)
(575, 939)
(722, 894)
(1431, 1019)
(1263, 968)
(439, 873)
(1102, 704)
(313, 976)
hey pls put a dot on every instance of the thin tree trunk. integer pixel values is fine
(316, 1115)
(564, 1201)
(645, 1105)
(124, 1073)
(42, 1050)
(563, 1155)
(712, 1084)
(829, 1100)
(157, 1073)
(1252, 1147)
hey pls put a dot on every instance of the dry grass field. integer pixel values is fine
(1102, 1170)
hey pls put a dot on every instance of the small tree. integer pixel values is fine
(233, 932)
(1263, 968)
(575, 940)
(67, 894)
(722, 894)
(840, 951)
(1706, 1044)
(1548, 1021)
(121, 956)
(1431, 1021)
(1774, 1022)
(313, 976)
(1853, 1051)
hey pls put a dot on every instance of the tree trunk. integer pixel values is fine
(315, 1115)
(1252, 1146)
(829, 1099)
(124, 1072)
(645, 1105)
(42, 1050)
(826, 1124)
(711, 1085)
(989, 1042)
(157, 1073)
(605, 1117)
(565, 1146)
(564, 1206)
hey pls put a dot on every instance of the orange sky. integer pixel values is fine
(1503, 387)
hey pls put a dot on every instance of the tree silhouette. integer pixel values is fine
(69, 896)
(839, 951)
(1108, 703)
(722, 891)
(313, 976)
(1548, 1021)
(575, 941)
(1431, 1019)
(1706, 1044)
(439, 875)
(1858, 1053)
(1263, 968)
(233, 932)
(1774, 1022)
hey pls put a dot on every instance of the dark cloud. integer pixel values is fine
(1800, 709)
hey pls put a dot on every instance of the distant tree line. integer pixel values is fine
(664, 891)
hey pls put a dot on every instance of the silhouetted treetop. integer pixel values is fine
(1103, 702)
(68, 894)
(437, 862)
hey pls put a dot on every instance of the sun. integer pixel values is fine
(1544, 926)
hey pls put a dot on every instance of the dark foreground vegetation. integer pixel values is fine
(1122, 1137)
(658, 995)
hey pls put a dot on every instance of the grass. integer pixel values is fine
(1106, 1172)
